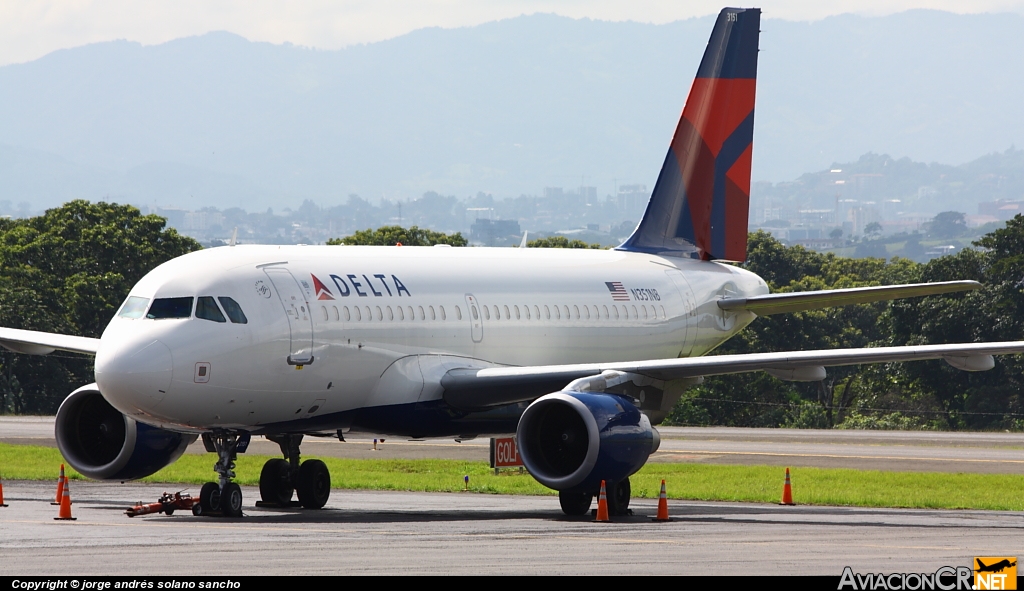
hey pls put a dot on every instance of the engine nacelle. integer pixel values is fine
(571, 441)
(103, 444)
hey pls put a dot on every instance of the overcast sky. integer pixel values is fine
(30, 29)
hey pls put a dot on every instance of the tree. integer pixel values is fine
(873, 229)
(68, 271)
(948, 224)
(393, 235)
(561, 242)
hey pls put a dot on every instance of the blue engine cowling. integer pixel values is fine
(103, 444)
(571, 441)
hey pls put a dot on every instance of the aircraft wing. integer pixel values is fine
(43, 343)
(778, 303)
(481, 388)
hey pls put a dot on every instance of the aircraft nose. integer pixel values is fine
(135, 377)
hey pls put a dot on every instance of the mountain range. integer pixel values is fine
(505, 108)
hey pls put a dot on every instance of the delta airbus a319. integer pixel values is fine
(580, 353)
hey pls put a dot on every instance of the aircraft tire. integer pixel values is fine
(275, 482)
(231, 500)
(209, 497)
(575, 504)
(314, 486)
(618, 497)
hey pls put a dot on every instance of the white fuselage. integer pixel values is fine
(386, 323)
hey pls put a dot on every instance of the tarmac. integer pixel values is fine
(372, 533)
(380, 532)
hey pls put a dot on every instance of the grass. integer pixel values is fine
(706, 482)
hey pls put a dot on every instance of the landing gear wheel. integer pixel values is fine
(169, 511)
(197, 510)
(209, 498)
(276, 482)
(314, 486)
(575, 504)
(231, 500)
(618, 498)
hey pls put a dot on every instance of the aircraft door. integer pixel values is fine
(688, 311)
(296, 308)
(475, 319)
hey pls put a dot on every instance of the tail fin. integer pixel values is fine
(700, 202)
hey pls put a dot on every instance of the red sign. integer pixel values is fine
(505, 453)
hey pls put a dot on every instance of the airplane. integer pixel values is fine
(996, 567)
(580, 353)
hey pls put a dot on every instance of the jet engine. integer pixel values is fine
(571, 441)
(103, 444)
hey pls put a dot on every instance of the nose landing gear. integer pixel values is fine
(281, 477)
(222, 497)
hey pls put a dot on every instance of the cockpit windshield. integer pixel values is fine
(233, 310)
(134, 307)
(170, 308)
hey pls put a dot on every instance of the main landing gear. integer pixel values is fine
(576, 503)
(280, 477)
(222, 497)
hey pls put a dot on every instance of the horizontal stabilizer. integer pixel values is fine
(43, 343)
(779, 303)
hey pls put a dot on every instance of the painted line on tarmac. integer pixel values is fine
(835, 456)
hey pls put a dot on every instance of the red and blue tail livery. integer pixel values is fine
(700, 203)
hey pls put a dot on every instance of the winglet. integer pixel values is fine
(699, 205)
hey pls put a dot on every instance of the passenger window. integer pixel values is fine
(367, 313)
(206, 308)
(596, 313)
(422, 315)
(458, 313)
(380, 315)
(516, 308)
(487, 313)
(635, 315)
(644, 308)
(605, 310)
(348, 315)
(547, 312)
(401, 313)
(391, 315)
(233, 310)
(663, 314)
(586, 313)
(476, 315)
(334, 310)
(558, 316)
(323, 309)
(412, 314)
(134, 307)
(577, 310)
(566, 310)
(536, 312)
(358, 314)
(625, 312)
(497, 313)
(443, 317)
(170, 308)
(526, 312)
(507, 315)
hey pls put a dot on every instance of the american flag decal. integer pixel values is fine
(619, 293)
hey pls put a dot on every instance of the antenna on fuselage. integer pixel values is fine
(522, 243)
(234, 237)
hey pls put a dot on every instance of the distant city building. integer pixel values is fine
(494, 232)
(1002, 209)
(632, 197)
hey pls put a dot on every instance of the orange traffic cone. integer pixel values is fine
(60, 487)
(787, 492)
(2, 494)
(602, 505)
(662, 505)
(65, 505)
